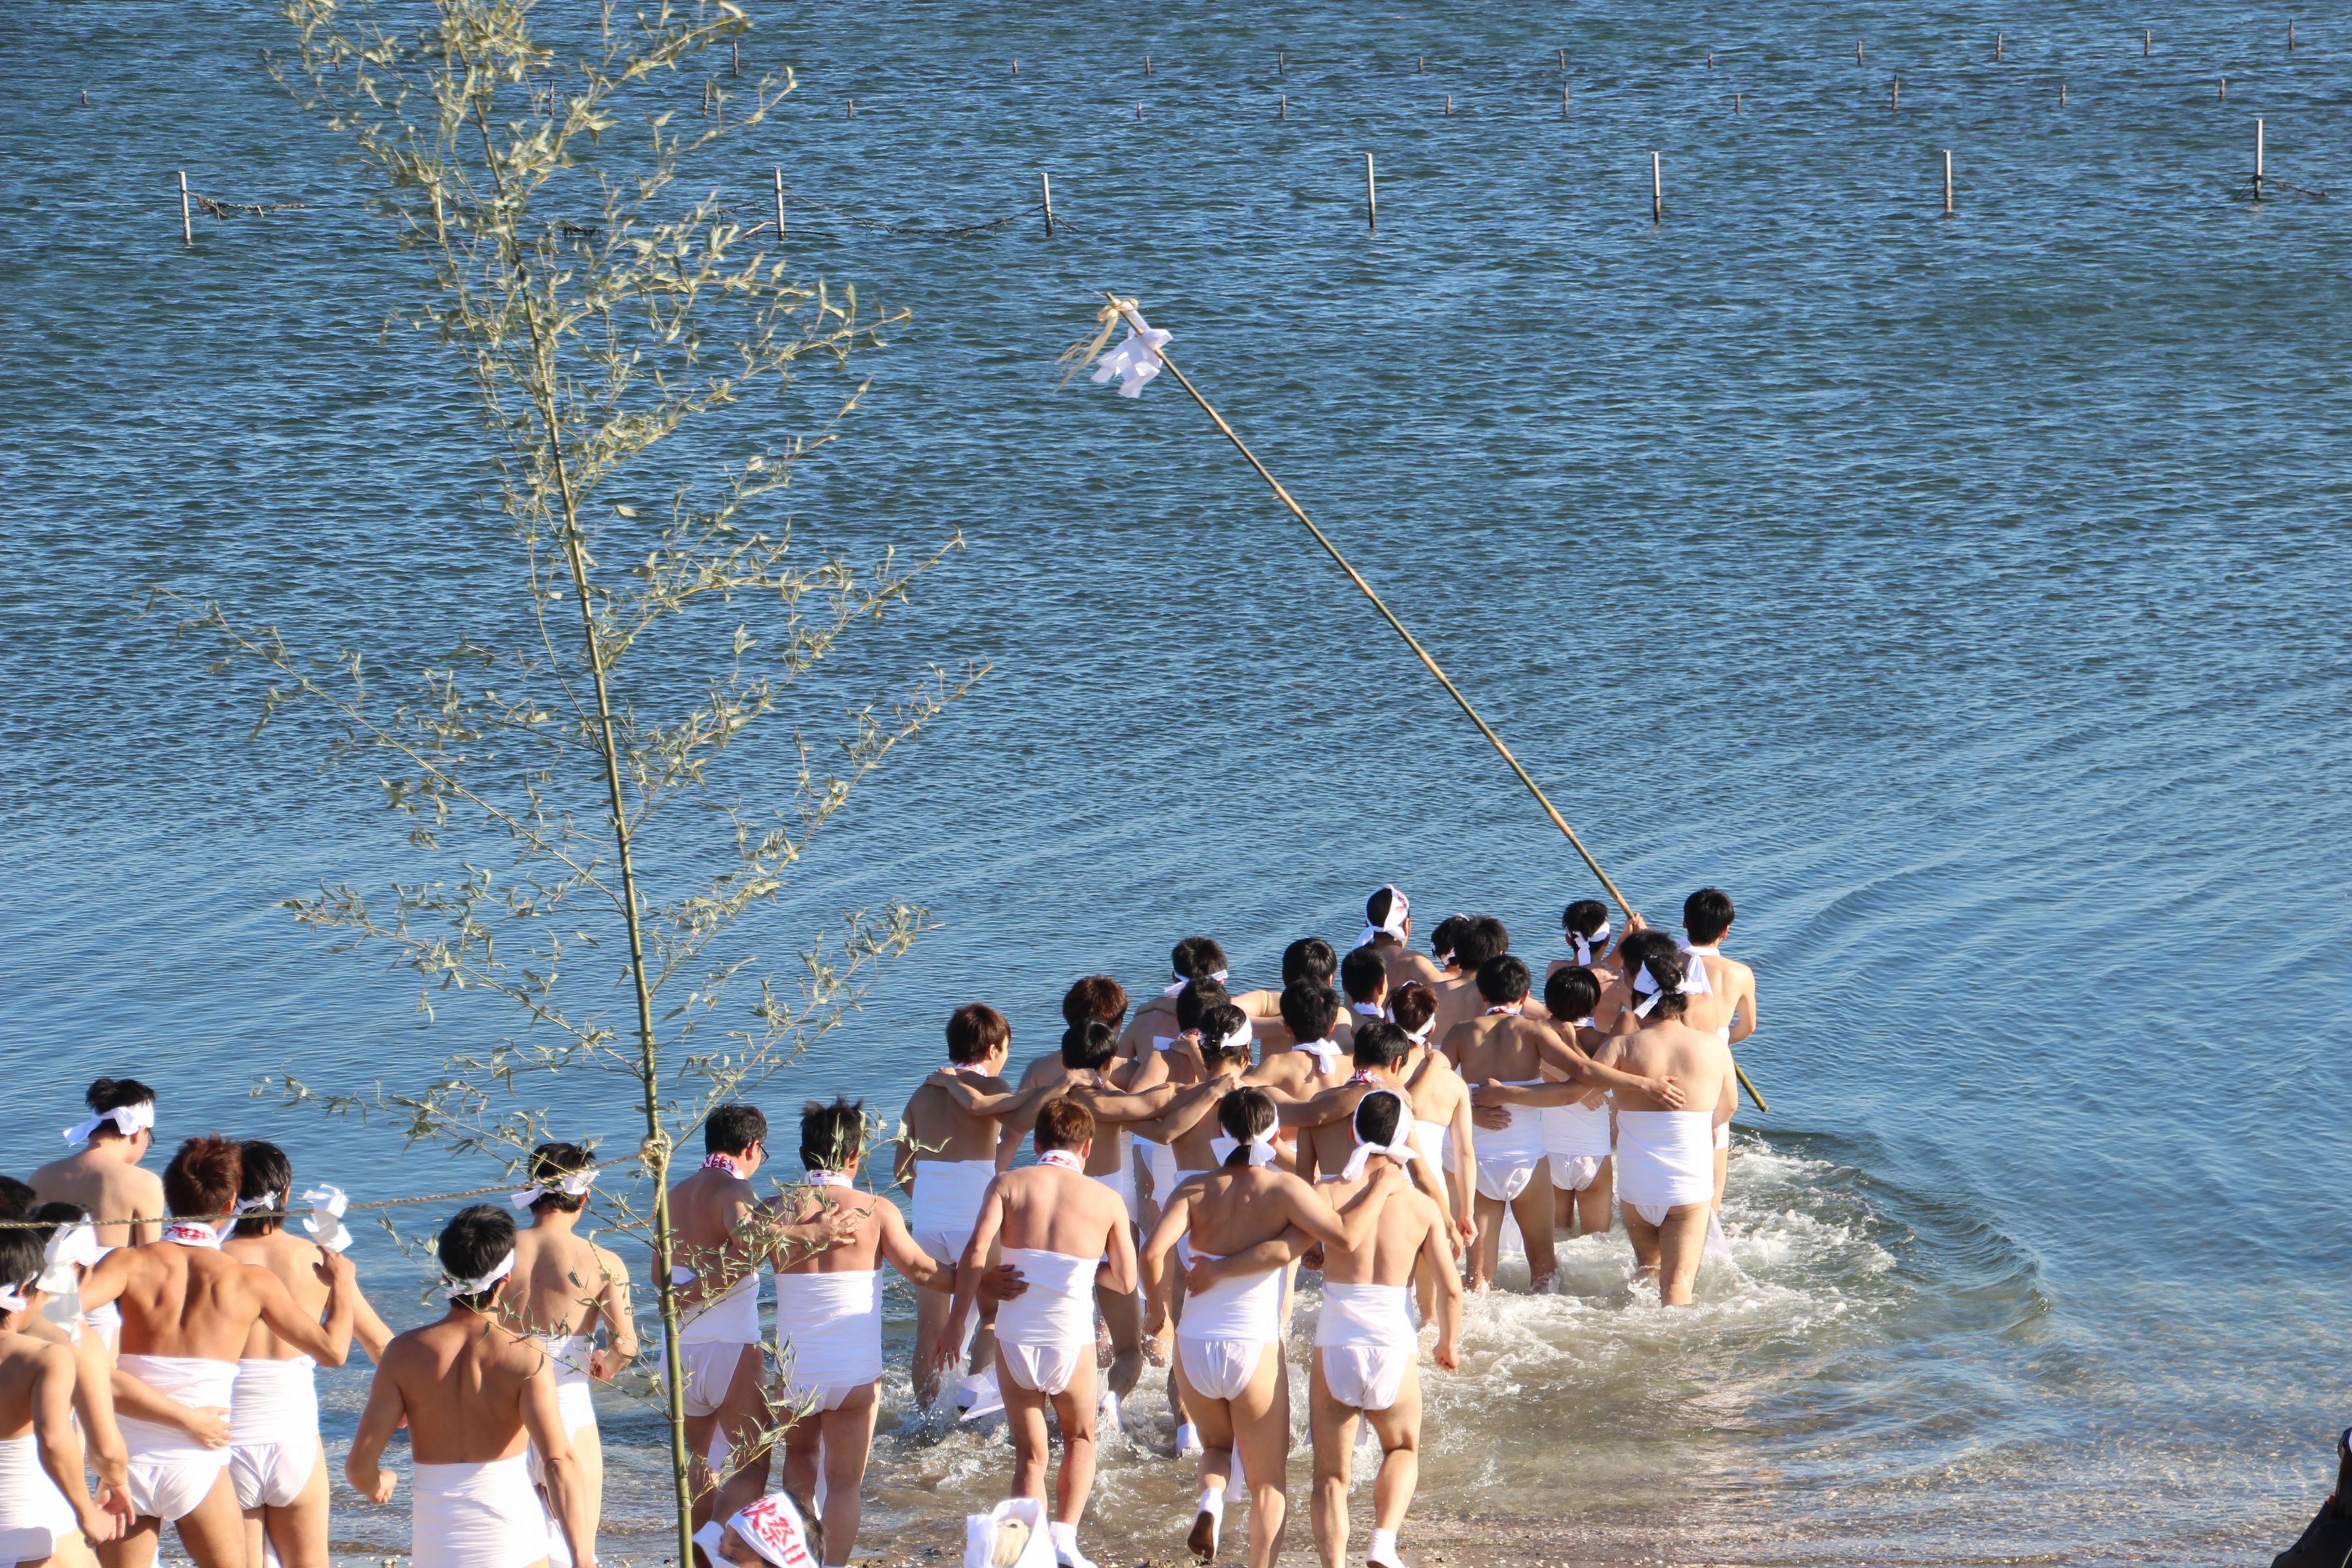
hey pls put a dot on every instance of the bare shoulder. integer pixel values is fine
(610, 1264)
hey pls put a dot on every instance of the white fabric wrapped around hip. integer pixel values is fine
(34, 1515)
(948, 1195)
(829, 1328)
(731, 1318)
(1057, 1308)
(1576, 1131)
(1239, 1307)
(1366, 1315)
(477, 1516)
(1665, 1158)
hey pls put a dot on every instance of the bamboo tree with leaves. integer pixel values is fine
(599, 313)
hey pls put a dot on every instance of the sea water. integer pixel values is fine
(1965, 596)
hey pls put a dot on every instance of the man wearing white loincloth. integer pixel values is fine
(276, 1457)
(47, 1514)
(1388, 931)
(945, 1157)
(1665, 1158)
(1063, 1233)
(104, 1176)
(477, 1398)
(187, 1314)
(1229, 1359)
(1726, 1004)
(1503, 1045)
(565, 1289)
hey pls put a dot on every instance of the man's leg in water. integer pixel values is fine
(1398, 1430)
(1123, 1315)
(213, 1535)
(741, 1417)
(1261, 1422)
(1596, 1201)
(1723, 1113)
(930, 1317)
(1073, 1408)
(1333, 1427)
(1681, 1240)
(1532, 1209)
(849, 1439)
(1644, 1237)
(1489, 1213)
(1215, 1471)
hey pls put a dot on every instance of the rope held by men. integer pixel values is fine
(1126, 309)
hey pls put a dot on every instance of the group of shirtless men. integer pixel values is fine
(172, 1360)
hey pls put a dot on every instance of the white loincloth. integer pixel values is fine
(710, 1343)
(477, 1516)
(171, 1472)
(1365, 1336)
(1430, 1138)
(1042, 1333)
(1120, 1179)
(273, 1431)
(1723, 1135)
(1161, 1161)
(1665, 1158)
(829, 1330)
(1509, 1157)
(34, 1515)
(1226, 1328)
(575, 1400)
(948, 1195)
(1576, 1141)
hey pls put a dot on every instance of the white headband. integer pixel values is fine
(13, 1300)
(574, 1185)
(1181, 981)
(1243, 1035)
(74, 1246)
(1694, 985)
(1324, 1051)
(1585, 945)
(1400, 1148)
(456, 1287)
(1261, 1146)
(129, 1120)
(1394, 925)
(259, 1205)
(1421, 1037)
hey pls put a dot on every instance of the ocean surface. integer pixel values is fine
(1964, 594)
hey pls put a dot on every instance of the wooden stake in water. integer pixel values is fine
(2147, 42)
(1046, 185)
(1285, 114)
(1735, 103)
(1371, 197)
(2290, 37)
(736, 51)
(1147, 65)
(1857, 52)
(1563, 59)
(2061, 95)
(1449, 103)
(1996, 41)
(1277, 64)
(188, 233)
(852, 109)
(779, 204)
(1563, 100)
(1658, 193)
(1017, 65)
(2258, 159)
(1139, 109)
(1947, 181)
(1894, 94)
(2223, 97)
(706, 98)
(1710, 60)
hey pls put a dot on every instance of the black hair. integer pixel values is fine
(475, 1241)
(15, 1198)
(55, 1216)
(1446, 938)
(1363, 974)
(1088, 1045)
(733, 1128)
(1196, 958)
(1668, 970)
(1379, 1045)
(1503, 979)
(974, 1030)
(1376, 906)
(1063, 1123)
(1244, 1114)
(113, 1093)
(550, 1163)
(832, 1135)
(1640, 945)
(1094, 997)
(1482, 937)
(1309, 958)
(1413, 1006)
(1310, 1010)
(23, 1256)
(264, 1171)
(1197, 997)
(1707, 915)
(1572, 993)
(1584, 917)
(1377, 1115)
(1218, 1025)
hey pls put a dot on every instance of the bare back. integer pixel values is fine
(1049, 1209)
(463, 1382)
(299, 1265)
(1434, 1089)
(1234, 1207)
(706, 1207)
(25, 1363)
(1459, 1000)
(111, 1188)
(561, 1281)
(1501, 1046)
(939, 1129)
(186, 1300)
(1696, 1058)
(1404, 965)
(1398, 1238)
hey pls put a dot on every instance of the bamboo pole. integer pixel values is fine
(1947, 181)
(1411, 642)
(779, 204)
(1046, 184)
(2258, 162)
(1658, 193)
(188, 233)
(1371, 197)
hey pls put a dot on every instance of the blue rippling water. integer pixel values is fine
(1964, 595)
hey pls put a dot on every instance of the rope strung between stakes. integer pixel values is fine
(1130, 312)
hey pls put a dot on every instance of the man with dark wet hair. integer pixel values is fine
(1388, 931)
(104, 1175)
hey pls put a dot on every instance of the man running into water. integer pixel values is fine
(1665, 1156)
(187, 1315)
(276, 1457)
(1367, 1347)
(1728, 1006)
(105, 1178)
(478, 1399)
(1388, 932)
(946, 1156)
(565, 1289)
(47, 1515)
(829, 1317)
(1317, 1062)
(1577, 1138)
(1066, 1236)
(1504, 1046)
(1229, 1358)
